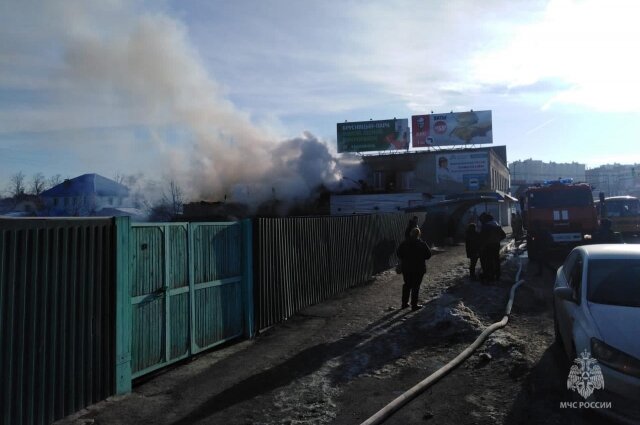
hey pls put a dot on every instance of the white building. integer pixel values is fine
(615, 179)
(535, 171)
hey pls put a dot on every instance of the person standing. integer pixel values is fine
(413, 252)
(516, 226)
(472, 246)
(413, 224)
(491, 233)
(605, 233)
(539, 250)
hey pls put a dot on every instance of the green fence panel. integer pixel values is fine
(57, 315)
(159, 295)
(218, 307)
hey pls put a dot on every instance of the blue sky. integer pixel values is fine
(206, 90)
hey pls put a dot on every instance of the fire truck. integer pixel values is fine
(558, 214)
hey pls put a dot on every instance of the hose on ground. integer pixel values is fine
(420, 387)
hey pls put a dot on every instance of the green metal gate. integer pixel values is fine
(190, 289)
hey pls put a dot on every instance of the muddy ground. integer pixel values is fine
(341, 361)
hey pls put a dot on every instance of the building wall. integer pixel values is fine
(419, 172)
(84, 205)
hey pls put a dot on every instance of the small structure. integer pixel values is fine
(22, 205)
(89, 195)
(214, 211)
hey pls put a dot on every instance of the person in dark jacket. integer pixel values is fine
(541, 243)
(605, 233)
(491, 233)
(413, 223)
(472, 246)
(413, 253)
(516, 226)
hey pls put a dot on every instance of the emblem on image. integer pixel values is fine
(585, 375)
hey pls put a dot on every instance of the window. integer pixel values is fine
(573, 273)
(568, 264)
(575, 281)
(614, 282)
(622, 207)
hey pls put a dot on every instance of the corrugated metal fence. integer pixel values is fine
(56, 317)
(304, 260)
(86, 305)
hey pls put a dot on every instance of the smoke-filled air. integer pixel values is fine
(148, 69)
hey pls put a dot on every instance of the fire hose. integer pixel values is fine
(384, 413)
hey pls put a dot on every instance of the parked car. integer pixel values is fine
(597, 312)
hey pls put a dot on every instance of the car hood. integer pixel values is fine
(619, 326)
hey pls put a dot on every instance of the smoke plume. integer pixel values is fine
(147, 69)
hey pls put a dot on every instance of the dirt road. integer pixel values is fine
(341, 361)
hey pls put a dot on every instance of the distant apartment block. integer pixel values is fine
(615, 179)
(535, 171)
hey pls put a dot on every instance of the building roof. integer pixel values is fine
(87, 184)
(402, 155)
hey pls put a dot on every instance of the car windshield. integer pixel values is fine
(560, 198)
(615, 282)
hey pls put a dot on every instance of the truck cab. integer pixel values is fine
(623, 211)
(560, 213)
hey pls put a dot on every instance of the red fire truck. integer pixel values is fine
(558, 214)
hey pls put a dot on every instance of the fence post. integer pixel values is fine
(123, 305)
(247, 277)
(191, 228)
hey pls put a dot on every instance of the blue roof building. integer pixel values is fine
(87, 184)
(87, 195)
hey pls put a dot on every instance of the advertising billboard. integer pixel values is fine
(462, 171)
(379, 135)
(456, 128)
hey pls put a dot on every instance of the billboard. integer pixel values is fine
(455, 128)
(380, 135)
(462, 171)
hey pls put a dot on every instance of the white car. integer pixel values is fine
(597, 312)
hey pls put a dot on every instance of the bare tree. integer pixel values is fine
(16, 184)
(129, 180)
(169, 205)
(55, 180)
(175, 199)
(120, 178)
(38, 184)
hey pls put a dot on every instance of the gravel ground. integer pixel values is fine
(341, 361)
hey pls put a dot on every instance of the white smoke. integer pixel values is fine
(146, 68)
(299, 167)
